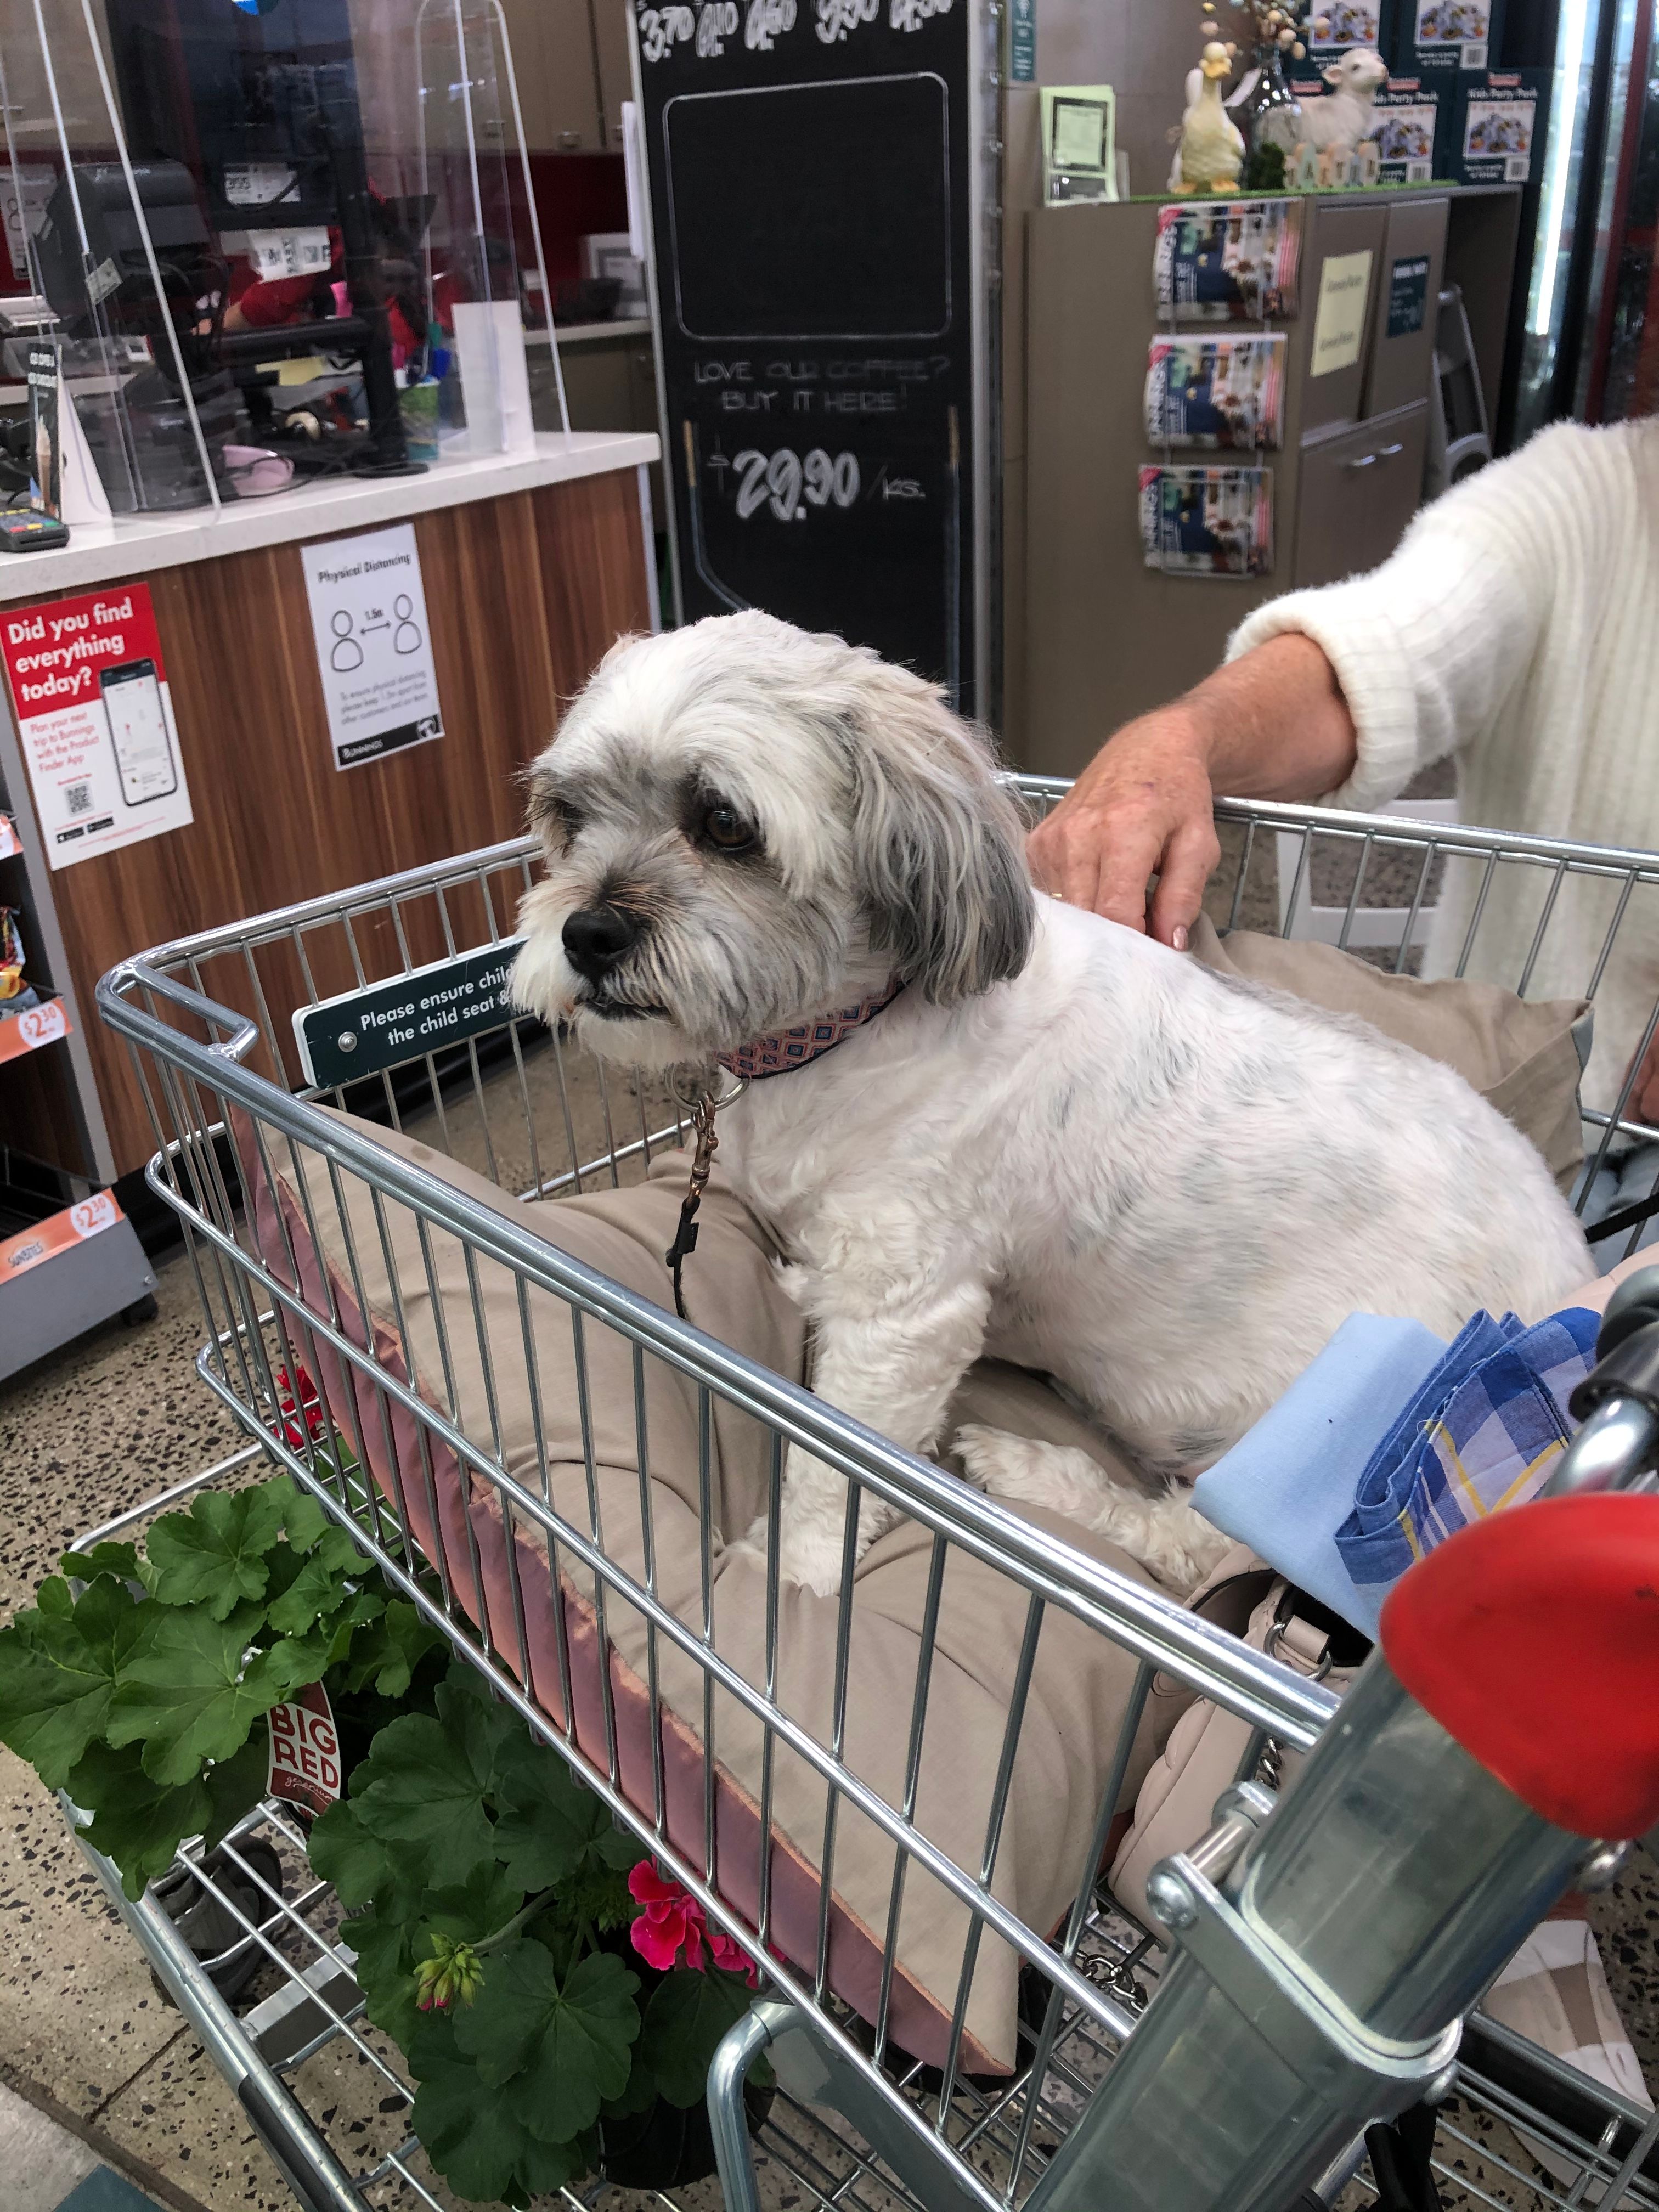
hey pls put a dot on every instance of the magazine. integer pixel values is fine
(1207, 521)
(1228, 261)
(1223, 391)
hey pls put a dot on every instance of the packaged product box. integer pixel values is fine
(1501, 119)
(1437, 37)
(1412, 120)
(1355, 23)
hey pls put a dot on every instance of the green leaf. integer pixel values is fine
(361, 1610)
(469, 1910)
(391, 1950)
(389, 1652)
(54, 1600)
(185, 1695)
(476, 2137)
(235, 1785)
(214, 1555)
(425, 1785)
(685, 2020)
(321, 1585)
(58, 1669)
(386, 1971)
(492, 1734)
(303, 1518)
(360, 1866)
(551, 1827)
(565, 2047)
(120, 1560)
(138, 1823)
(639, 2092)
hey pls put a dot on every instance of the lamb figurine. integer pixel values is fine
(1340, 120)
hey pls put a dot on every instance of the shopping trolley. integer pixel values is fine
(231, 1033)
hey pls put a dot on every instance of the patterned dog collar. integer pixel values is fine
(792, 1049)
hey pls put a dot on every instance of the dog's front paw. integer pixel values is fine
(812, 1557)
(1058, 1476)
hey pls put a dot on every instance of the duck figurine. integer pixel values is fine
(1210, 157)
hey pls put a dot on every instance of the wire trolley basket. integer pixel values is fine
(545, 1461)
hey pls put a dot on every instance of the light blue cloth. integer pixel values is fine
(1286, 1487)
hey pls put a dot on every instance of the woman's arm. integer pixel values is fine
(1341, 693)
(1272, 724)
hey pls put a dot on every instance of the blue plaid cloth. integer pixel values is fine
(1482, 1431)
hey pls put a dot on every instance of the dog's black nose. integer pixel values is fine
(596, 937)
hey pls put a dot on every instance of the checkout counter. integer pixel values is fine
(332, 564)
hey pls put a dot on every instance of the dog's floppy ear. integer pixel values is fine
(939, 846)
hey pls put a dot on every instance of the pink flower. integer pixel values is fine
(671, 1920)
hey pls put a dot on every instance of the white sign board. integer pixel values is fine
(1345, 285)
(374, 646)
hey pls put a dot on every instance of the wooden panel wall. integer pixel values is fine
(524, 593)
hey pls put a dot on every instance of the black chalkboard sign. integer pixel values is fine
(812, 169)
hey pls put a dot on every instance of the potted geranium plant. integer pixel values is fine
(557, 1996)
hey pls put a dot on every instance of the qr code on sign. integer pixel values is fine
(77, 797)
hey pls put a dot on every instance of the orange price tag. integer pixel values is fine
(34, 1027)
(72, 1226)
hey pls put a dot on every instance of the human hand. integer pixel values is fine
(1144, 806)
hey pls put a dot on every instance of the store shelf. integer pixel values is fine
(63, 1275)
(34, 1029)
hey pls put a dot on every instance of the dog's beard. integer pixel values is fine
(710, 971)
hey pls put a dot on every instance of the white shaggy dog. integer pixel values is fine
(1061, 1143)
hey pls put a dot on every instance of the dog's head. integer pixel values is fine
(745, 826)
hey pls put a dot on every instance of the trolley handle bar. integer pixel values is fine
(244, 1035)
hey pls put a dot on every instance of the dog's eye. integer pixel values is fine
(726, 827)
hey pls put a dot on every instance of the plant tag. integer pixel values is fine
(305, 1751)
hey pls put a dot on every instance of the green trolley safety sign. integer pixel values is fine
(384, 1024)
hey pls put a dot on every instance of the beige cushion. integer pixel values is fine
(532, 1428)
(1521, 1054)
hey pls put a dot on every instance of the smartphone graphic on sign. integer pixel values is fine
(138, 730)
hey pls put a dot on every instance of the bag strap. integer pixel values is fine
(1401, 2155)
(1628, 1217)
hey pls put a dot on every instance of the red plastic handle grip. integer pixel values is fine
(1533, 1638)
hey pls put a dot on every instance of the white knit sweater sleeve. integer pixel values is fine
(1428, 647)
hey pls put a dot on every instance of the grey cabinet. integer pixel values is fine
(1357, 491)
(555, 61)
(1407, 289)
(1341, 247)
